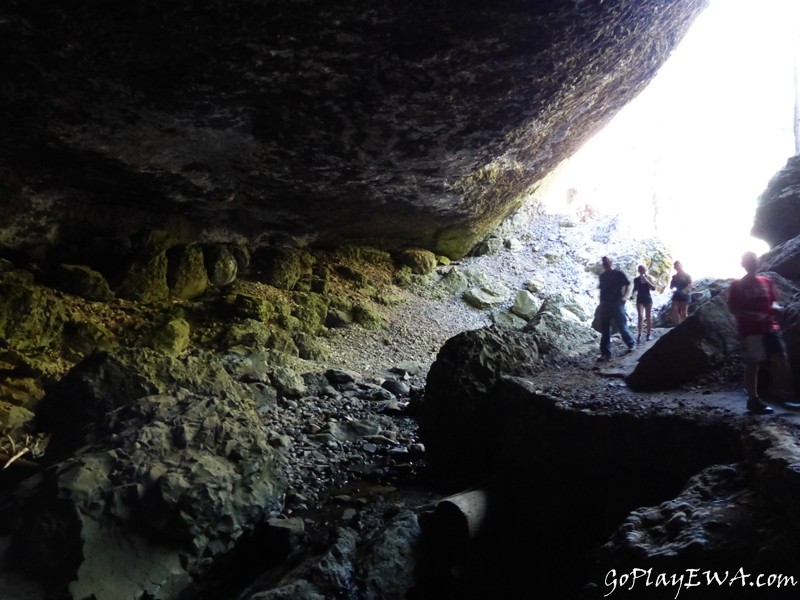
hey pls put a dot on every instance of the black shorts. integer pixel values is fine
(680, 297)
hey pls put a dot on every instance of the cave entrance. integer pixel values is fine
(688, 158)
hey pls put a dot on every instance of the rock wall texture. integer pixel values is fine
(418, 123)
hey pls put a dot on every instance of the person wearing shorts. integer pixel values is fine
(681, 282)
(753, 300)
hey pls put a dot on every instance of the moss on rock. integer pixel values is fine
(367, 316)
(284, 267)
(31, 316)
(145, 280)
(310, 310)
(171, 337)
(186, 273)
(82, 281)
(419, 260)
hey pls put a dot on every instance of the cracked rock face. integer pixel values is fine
(421, 123)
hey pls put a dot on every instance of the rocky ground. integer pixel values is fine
(558, 253)
(344, 426)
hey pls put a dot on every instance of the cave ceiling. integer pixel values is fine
(408, 123)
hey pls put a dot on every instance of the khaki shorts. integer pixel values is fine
(758, 348)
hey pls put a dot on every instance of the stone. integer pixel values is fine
(525, 305)
(287, 382)
(485, 298)
(368, 316)
(783, 259)
(420, 261)
(82, 281)
(21, 391)
(186, 275)
(455, 281)
(455, 412)
(123, 531)
(777, 217)
(14, 417)
(221, 264)
(507, 320)
(86, 336)
(388, 563)
(702, 341)
(398, 388)
(491, 245)
(309, 347)
(172, 337)
(32, 318)
(145, 280)
(283, 267)
(338, 377)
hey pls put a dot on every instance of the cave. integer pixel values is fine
(283, 314)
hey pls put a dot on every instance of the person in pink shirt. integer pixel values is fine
(753, 300)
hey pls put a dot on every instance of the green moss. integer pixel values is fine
(85, 337)
(187, 277)
(171, 337)
(420, 261)
(310, 347)
(311, 310)
(367, 316)
(285, 267)
(146, 280)
(364, 255)
(31, 317)
(404, 277)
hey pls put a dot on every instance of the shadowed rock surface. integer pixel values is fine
(417, 124)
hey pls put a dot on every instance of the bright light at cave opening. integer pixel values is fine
(688, 158)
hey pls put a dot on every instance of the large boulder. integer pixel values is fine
(561, 327)
(82, 281)
(695, 346)
(457, 419)
(778, 213)
(32, 317)
(157, 466)
(784, 259)
(169, 482)
(106, 381)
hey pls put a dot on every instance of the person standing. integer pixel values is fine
(614, 290)
(642, 286)
(681, 282)
(753, 300)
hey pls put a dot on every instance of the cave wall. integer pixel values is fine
(418, 123)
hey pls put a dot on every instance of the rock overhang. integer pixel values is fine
(423, 124)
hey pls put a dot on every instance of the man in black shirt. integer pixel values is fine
(614, 290)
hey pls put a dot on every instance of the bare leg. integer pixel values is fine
(639, 308)
(648, 318)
